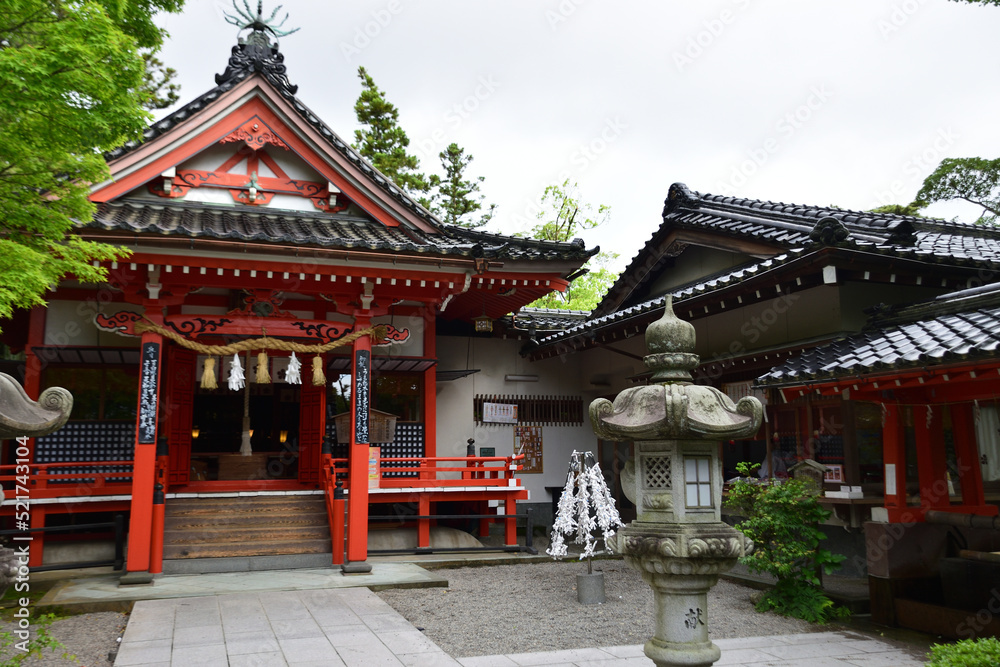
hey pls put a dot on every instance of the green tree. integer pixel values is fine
(158, 84)
(457, 198)
(71, 87)
(563, 217)
(382, 141)
(912, 209)
(970, 179)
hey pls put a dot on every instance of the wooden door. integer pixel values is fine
(179, 407)
(312, 428)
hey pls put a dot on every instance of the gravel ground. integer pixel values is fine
(533, 607)
(87, 639)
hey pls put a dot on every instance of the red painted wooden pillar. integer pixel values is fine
(144, 467)
(33, 387)
(430, 387)
(510, 525)
(424, 525)
(930, 457)
(967, 454)
(894, 458)
(357, 498)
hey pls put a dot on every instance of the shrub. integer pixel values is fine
(966, 653)
(782, 519)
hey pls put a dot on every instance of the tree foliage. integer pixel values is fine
(782, 518)
(71, 87)
(971, 179)
(563, 216)
(458, 198)
(382, 141)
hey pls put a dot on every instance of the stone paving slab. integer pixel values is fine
(352, 627)
(102, 592)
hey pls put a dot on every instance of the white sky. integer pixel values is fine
(823, 102)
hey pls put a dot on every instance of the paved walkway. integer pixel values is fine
(354, 627)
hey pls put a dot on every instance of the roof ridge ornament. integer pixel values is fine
(256, 52)
(830, 231)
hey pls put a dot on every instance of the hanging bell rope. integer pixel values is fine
(245, 441)
(378, 334)
(208, 375)
(263, 376)
(319, 379)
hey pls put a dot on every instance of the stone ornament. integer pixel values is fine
(678, 542)
(22, 417)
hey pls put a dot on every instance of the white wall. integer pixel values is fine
(496, 358)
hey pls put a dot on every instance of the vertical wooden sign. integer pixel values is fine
(362, 388)
(148, 392)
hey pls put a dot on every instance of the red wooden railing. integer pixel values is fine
(80, 478)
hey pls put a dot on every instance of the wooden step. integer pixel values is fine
(258, 548)
(223, 527)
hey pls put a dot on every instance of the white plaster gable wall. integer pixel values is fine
(71, 324)
(561, 376)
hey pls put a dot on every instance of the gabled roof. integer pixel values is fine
(247, 224)
(768, 228)
(252, 62)
(954, 327)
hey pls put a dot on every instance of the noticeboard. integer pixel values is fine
(148, 392)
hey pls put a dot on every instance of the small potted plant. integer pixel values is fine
(585, 506)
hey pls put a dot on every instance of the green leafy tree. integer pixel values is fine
(912, 209)
(161, 91)
(970, 179)
(457, 198)
(71, 87)
(563, 216)
(782, 519)
(382, 141)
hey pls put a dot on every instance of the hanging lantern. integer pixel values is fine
(484, 323)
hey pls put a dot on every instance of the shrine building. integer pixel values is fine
(284, 309)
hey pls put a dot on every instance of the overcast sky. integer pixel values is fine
(825, 102)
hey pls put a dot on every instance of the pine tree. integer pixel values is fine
(457, 198)
(382, 141)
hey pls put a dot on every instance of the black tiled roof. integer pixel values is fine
(244, 223)
(680, 294)
(548, 319)
(787, 226)
(953, 327)
(303, 228)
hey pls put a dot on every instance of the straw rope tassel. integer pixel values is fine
(263, 376)
(319, 379)
(208, 375)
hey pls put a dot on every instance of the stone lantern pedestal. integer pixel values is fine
(678, 542)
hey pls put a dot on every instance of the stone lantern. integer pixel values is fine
(678, 542)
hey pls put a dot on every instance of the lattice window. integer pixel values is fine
(408, 442)
(534, 410)
(87, 441)
(657, 472)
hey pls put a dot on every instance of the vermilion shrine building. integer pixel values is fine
(247, 217)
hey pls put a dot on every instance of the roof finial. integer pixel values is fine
(244, 19)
